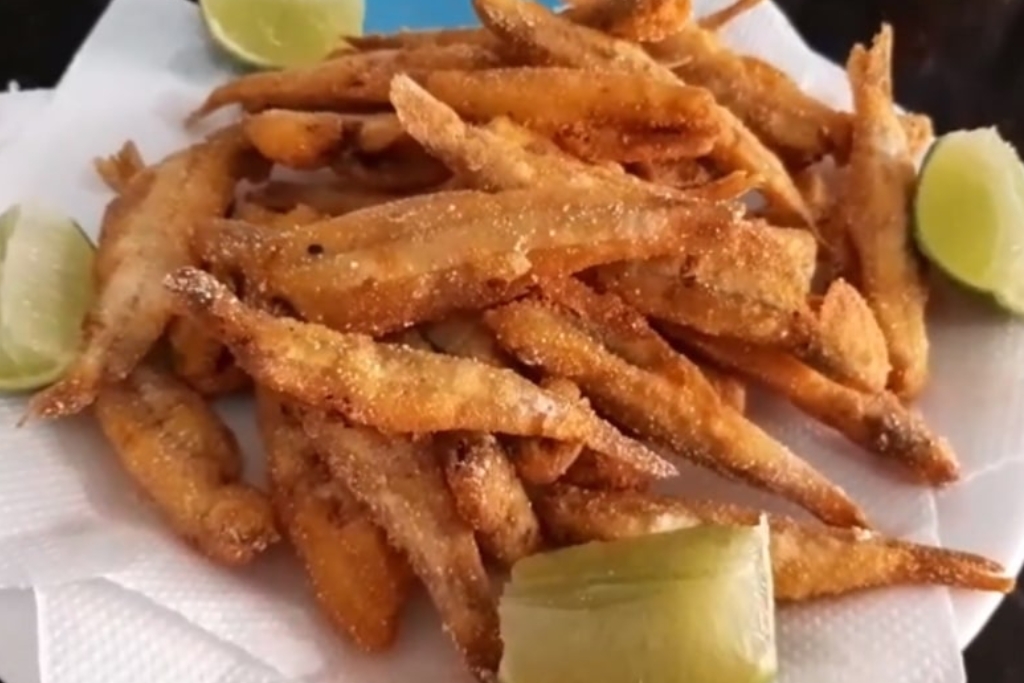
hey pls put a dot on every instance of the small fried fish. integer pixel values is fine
(542, 37)
(186, 460)
(147, 233)
(360, 582)
(394, 388)
(880, 187)
(808, 562)
(427, 257)
(502, 156)
(686, 417)
(401, 484)
(354, 79)
(876, 420)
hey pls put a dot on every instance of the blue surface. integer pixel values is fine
(392, 15)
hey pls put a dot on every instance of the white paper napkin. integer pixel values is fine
(18, 108)
(121, 600)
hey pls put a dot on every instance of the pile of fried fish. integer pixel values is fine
(507, 284)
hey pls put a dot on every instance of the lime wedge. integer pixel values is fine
(683, 606)
(45, 291)
(281, 33)
(969, 213)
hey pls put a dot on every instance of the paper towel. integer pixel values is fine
(106, 571)
(17, 109)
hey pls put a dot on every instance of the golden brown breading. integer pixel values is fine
(401, 483)
(875, 420)
(186, 460)
(686, 417)
(359, 581)
(147, 232)
(424, 258)
(808, 561)
(881, 181)
(489, 496)
(354, 79)
(390, 387)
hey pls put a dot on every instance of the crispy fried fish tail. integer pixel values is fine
(361, 584)
(688, 418)
(118, 169)
(402, 485)
(187, 462)
(808, 561)
(876, 421)
(489, 496)
(361, 378)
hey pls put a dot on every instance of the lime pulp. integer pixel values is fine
(690, 605)
(281, 33)
(45, 290)
(969, 213)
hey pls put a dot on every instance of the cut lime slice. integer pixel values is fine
(45, 291)
(691, 605)
(281, 33)
(969, 213)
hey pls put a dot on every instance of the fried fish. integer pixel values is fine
(187, 461)
(376, 384)
(400, 482)
(147, 233)
(359, 581)
(686, 417)
(808, 561)
(881, 181)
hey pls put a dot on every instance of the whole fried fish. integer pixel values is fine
(423, 258)
(541, 37)
(391, 387)
(680, 411)
(147, 233)
(880, 186)
(808, 561)
(401, 483)
(360, 582)
(187, 461)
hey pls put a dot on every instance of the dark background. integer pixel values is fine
(962, 61)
